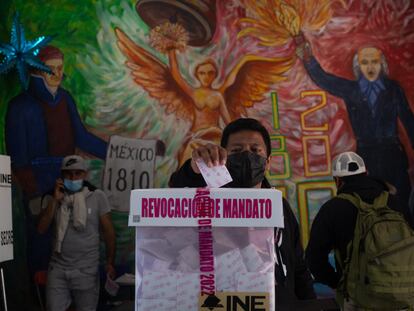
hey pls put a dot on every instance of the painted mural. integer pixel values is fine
(179, 72)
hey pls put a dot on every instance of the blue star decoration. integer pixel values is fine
(22, 54)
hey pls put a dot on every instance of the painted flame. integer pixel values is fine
(289, 18)
(275, 22)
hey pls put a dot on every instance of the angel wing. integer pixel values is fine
(155, 78)
(250, 80)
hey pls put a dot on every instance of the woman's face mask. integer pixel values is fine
(246, 168)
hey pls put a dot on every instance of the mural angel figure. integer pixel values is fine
(247, 83)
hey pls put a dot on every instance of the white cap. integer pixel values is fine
(74, 162)
(348, 164)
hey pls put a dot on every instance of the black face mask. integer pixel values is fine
(246, 168)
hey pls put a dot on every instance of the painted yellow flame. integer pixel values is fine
(275, 22)
(289, 18)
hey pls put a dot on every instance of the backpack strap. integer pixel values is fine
(381, 200)
(354, 198)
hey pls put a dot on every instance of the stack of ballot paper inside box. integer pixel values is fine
(168, 260)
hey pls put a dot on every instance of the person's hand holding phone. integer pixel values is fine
(59, 190)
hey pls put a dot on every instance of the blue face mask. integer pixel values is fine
(73, 185)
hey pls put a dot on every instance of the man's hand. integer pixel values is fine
(211, 154)
(110, 270)
(304, 51)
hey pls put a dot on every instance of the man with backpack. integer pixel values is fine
(372, 241)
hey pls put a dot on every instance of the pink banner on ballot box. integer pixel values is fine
(228, 207)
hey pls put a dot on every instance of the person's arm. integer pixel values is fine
(85, 140)
(224, 112)
(337, 86)
(319, 247)
(303, 278)
(175, 71)
(189, 175)
(186, 177)
(47, 215)
(405, 114)
(108, 232)
(334, 85)
(109, 238)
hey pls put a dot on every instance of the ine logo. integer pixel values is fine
(211, 303)
(235, 301)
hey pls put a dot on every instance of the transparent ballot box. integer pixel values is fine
(201, 249)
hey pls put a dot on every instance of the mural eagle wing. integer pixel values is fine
(250, 80)
(155, 78)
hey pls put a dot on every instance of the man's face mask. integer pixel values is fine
(73, 185)
(246, 168)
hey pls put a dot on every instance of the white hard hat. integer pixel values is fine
(348, 164)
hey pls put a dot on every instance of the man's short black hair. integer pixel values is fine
(244, 124)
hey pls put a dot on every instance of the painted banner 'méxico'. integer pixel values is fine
(129, 165)
(228, 207)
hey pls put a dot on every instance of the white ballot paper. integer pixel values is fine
(215, 176)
